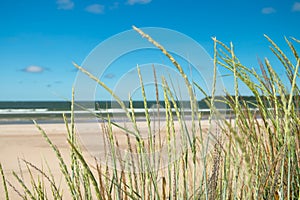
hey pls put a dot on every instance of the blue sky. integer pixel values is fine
(39, 40)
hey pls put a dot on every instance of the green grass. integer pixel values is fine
(256, 155)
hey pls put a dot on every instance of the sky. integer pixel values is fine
(40, 40)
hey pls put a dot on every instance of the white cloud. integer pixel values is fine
(95, 8)
(296, 7)
(65, 4)
(33, 69)
(268, 10)
(132, 2)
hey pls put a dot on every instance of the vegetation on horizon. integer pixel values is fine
(255, 156)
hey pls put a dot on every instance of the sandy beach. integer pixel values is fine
(24, 141)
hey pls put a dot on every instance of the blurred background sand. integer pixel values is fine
(24, 141)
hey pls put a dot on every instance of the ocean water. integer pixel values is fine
(52, 111)
(23, 111)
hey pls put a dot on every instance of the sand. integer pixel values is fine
(24, 141)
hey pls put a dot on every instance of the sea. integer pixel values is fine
(22, 112)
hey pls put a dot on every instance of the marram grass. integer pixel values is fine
(256, 154)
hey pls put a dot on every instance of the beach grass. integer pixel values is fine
(255, 154)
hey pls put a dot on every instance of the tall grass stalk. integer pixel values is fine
(4, 183)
